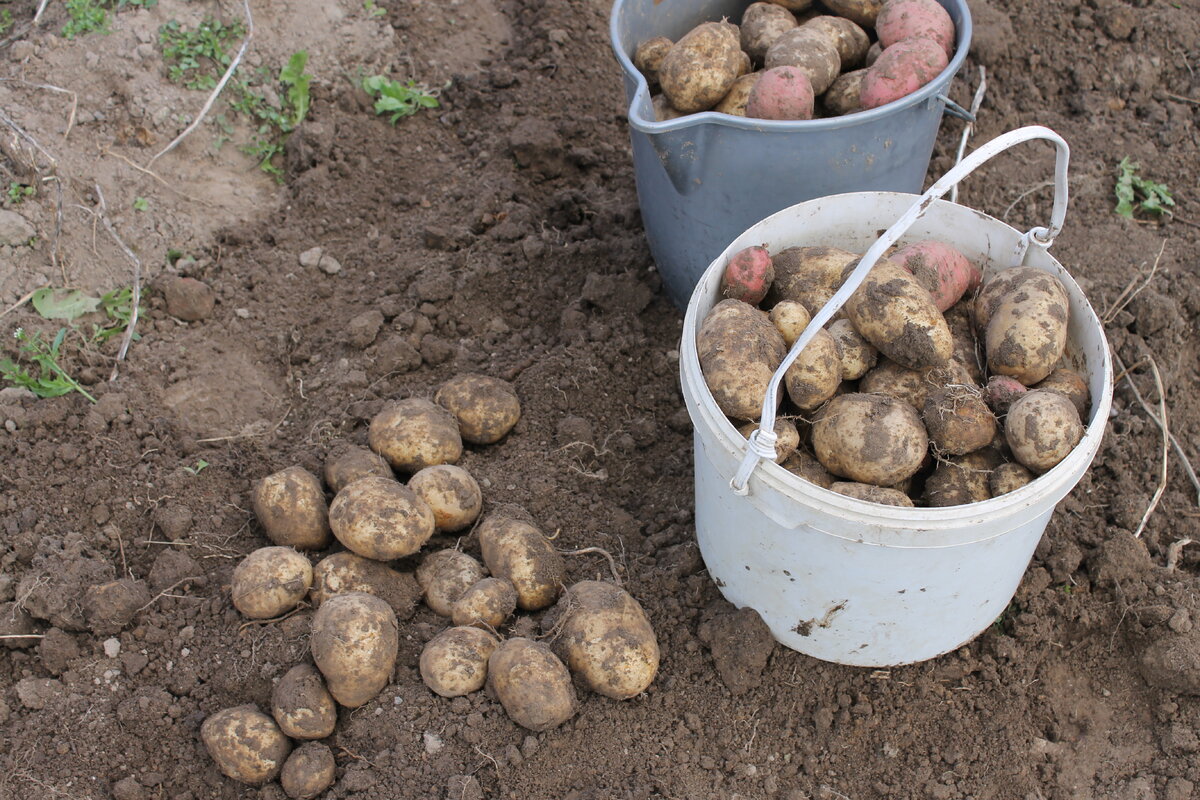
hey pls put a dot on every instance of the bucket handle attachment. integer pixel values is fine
(761, 444)
(954, 109)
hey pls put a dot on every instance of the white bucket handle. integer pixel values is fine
(761, 444)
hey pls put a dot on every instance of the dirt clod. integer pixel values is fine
(740, 643)
(188, 299)
(109, 607)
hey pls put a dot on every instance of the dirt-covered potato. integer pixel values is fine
(958, 420)
(873, 494)
(354, 642)
(699, 69)
(844, 95)
(451, 493)
(246, 744)
(345, 572)
(309, 770)
(887, 377)
(290, 506)
(901, 70)
(270, 581)
(648, 56)
(861, 12)
(848, 38)
(809, 50)
(347, 463)
(1008, 478)
(1001, 392)
(1042, 428)
(857, 355)
(816, 373)
(738, 97)
(783, 92)
(532, 684)
(960, 480)
(486, 408)
(943, 270)
(381, 518)
(663, 110)
(518, 551)
(762, 24)
(787, 437)
(745, 65)
(869, 438)
(748, 275)
(805, 465)
(909, 19)
(739, 351)
(455, 662)
(808, 275)
(1027, 331)
(795, 6)
(444, 575)
(413, 434)
(486, 604)
(790, 318)
(994, 290)
(897, 315)
(302, 706)
(966, 347)
(1070, 383)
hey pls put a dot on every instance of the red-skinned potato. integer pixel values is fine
(942, 270)
(792, 5)
(739, 351)
(1001, 392)
(901, 70)
(699, 69)
(908, 19)
(354, 642)
(290, 506)
(748, 275)
(532, 684)
(784, 92)
(811, 52)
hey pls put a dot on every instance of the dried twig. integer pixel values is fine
(612, 564)
(41, 8)
(1174, 551)
(1183, 458)
(1166, 450)
(250, 435)
(970, 128)
(163, 593)
(1126, 296)
(1182, 99)
(212, 98)
(51, 88)
(1023, 195)
(22, 636)
(17, 304)
(137, 282)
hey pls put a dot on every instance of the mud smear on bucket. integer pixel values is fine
(805, 626)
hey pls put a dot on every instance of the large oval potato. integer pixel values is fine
(901, 70)
(897, 315)
(246, 744)
(739, 351)
(873, 494)
(808, 275)
(518, 551)
(808, 50)
(347, 463)
(290, 506)
(848, 38)
(345, 572)
(1027, 332)
(486, 604)
(908, 19)
(302, 706)
(816, 373)
(451, 493)
(455, 662)
(444, 576)
(380, 518)
(958, 420)
(486, 408)
(762, 24)
(532, 684)
(413, 434)
(309, 770)
(605, 638)
(1042, 428)
(860, 12)
(270, 581)
(870, 438)
(844, 95)
(699, 69)
(355, 638)
(994, 290)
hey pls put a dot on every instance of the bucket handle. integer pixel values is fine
(761, 444)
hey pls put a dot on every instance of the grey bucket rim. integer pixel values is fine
(642, 93)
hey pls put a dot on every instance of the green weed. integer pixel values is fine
(19, 192)
(197, 58)
(398, 99)
(118, 310)
(6, 21)
(373, 10)
(1137, 194)
(141, 204)
(197, 469)
(41, 374)
(275, 124)
(86, 16)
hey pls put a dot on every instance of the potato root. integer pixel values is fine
(270, 581)
(892, 311)
(739, 351)
(1042, 428)
(413, 434)
(290, 506)
(870, 438)
(354, 641)
(518, 551)
(380, 518)
(532, 684)
(700, 68)
(782, 92)
(486, 408)
(301, 704)
(444, 576)
(246, 744)
(486, 604)
(901, 70)
(451, 493)
(455, 662)
(748, 275)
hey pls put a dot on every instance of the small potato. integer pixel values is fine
(1008, 478)
(790, 318)
(486, 604)
(784, 92)
(649, 55)
(745, 66)
(739, 351)
(803, 464)
(810, 51)
(345, 572)
(901, 70)
(843, 95)
(788, 438)
(735, 102)
(532, 684)
(380, 518)
(910, 385)
(451, 493)
(857, 355)
(941, 269)
(960, 480)
(309, 770)
(414, 433)
(762, 24)
(816, 373)
(1070, 383)
(270, 581)
(958, 420)
(1042, 428)
(1027, 332)
(873, 54)
(246, 744)
(518, 551)
(1001, 392)
(605, 639)
(873, 494)
(869, 438)
(302, 706)
(849, 39)
(486, 408)
(444, 576)
(348, 463)
(860, 12)
(699, 69)
(908, 19)
(895, 313)
(663, 110)
(748, 275)
(455, 662)
(290, 506)
(354, 642)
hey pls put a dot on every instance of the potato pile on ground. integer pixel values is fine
(926, 388)
(788, 60)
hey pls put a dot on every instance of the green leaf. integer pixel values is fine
(65, 304)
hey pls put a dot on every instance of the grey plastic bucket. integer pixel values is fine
(705, 178)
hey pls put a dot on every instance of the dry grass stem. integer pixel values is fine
(137, 282)
(1184, 461)
(612, 563)
(970, 128)
(170, 588)
(1130, 292)
(17, 304)
(280, 618)
(1174, 551)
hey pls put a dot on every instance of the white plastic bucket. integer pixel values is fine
(860, 583)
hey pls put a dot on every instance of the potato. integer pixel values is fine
(290, 506)
(414, 433)
(910, 385)
(810, 51)
(745, 67)
(1027, 332)
(786, 443)
(739, 351)
(908, 19)
(790, 319)
(518, 551)
(302, 706)
(960, 480)
(842, 96)
(748, 275)
(734, 103)
(792, 5)
(901, 70)
(869, 438)
(816, 373)
(246, 744)
(895, 313)
(994, 290)
(784, 92)
(444, 576)
(451, 493)
(808, 275)
(270, 581)
(347, 463)
(605, 638)
(873, 54)
(1008, 478)
(309, 770)
(942, 270)
(486, 408)
(966, 350)
(354, 643)
(455, 662)
(699, 69)
(486, 604)
(958, 420)
(1070, 383)
(806, 466)
(380, 518)
(346, 572)
(860, 12)
(649, 55)
(1001, 392)
(532, 684)
(849, 39)
(762, 24)
(663, 110)
(873, 494)
(857, 355)
(1042, 428)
